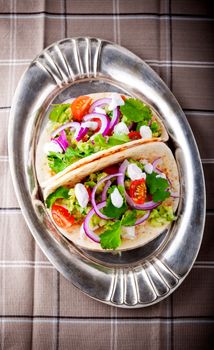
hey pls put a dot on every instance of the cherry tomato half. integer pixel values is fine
(134, 135)
(80, 107)
(138, 191)
(99, 123)
(61, 216)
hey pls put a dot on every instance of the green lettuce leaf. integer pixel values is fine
(61, 192)
(60, 113)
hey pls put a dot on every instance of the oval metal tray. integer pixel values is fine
(78, 66)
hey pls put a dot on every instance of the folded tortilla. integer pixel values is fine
(145, 232)
(45, 175)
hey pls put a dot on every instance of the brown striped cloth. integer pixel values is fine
(39, 308)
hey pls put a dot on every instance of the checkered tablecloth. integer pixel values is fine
(39, 308)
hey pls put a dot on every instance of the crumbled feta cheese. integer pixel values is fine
(81, 195)
(115, 102)
(134, 172)
(90, 125)
(99, 110)
(162, 175)
(145, 132)
(121, 129)
(52, 147)
(148, 168)
(128, 232)
(116, 198)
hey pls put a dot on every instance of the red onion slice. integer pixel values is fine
(86, 224)
(146, 206)
(105, 122)
(62, 141)
(82, 132)
(144, 218)
(72, 125)
(155, 163)
(93, 202)
(115, 118)
(104, 193)
(99, 103)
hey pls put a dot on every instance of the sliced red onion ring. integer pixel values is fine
(82, 132)
(86, 224)
(104, 193)
(93, 202)
(62, 141)
(144, 218)
(146, 206)
(130, 126)
(115, 118)
(99, 103)
(155, 163)
(105, 126)
(72, 125)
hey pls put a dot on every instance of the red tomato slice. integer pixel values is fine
(61, 216)
(134, 135)
(138, 191)
(111, 169)
(80, 107)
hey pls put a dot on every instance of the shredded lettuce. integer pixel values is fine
(60, 113)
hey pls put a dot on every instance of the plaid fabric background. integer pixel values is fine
(39, 309)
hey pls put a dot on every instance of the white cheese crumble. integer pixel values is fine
(128, 232)
(134, 172)
(52, 147)
(145, 132)
(121, 129)
(81, 195)
(115, 102)
(148, 168)
(90, 125)
(162, 175)
(116, 198)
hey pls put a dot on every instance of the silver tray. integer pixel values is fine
(78, 66)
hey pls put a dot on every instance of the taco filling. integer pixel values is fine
(88, 125)
(112, 205)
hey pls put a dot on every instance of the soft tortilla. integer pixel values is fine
(149, 151)
(44, 173)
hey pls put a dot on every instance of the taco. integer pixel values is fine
(87, 128)
(120, 202)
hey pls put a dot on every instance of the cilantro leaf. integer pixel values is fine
(110, 210)
(60, 113)
(135, 110)
(61, 192)
(110, 239)
(157, 187)
(129, 218)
